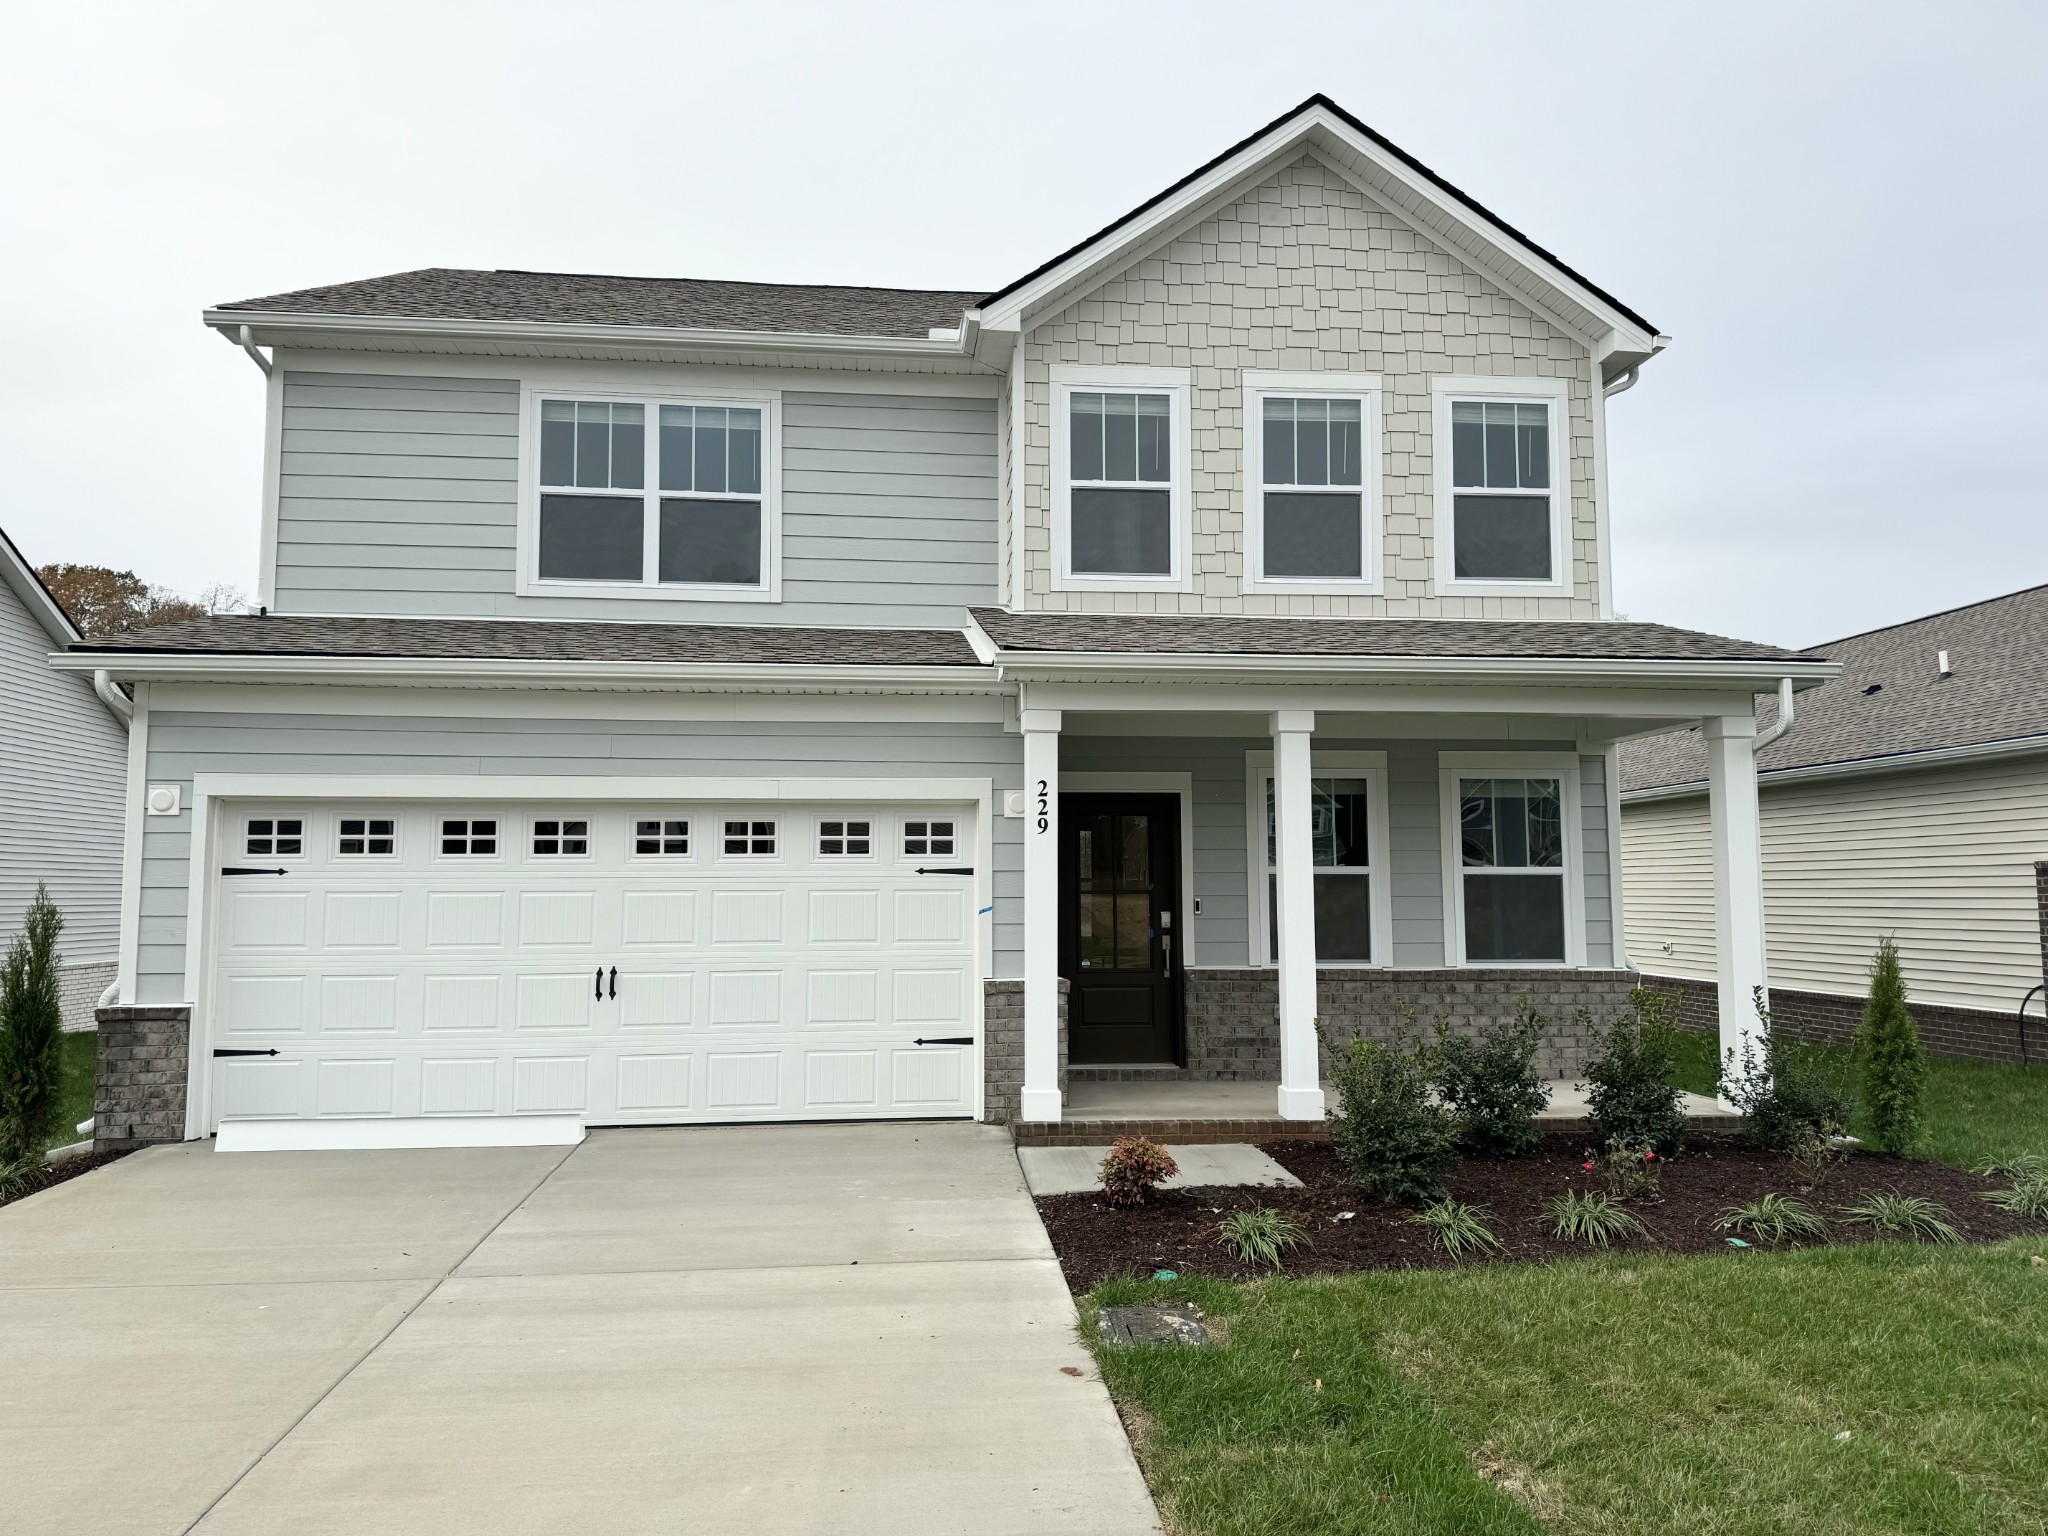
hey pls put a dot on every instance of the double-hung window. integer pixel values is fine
(1347, 844)
(652, 498)
(1311, 476)
(1501, 507)
(1512, 832)
(1120, 483)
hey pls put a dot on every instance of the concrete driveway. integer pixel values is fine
(760, 1329)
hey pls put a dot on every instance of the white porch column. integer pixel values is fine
(1738, 875)
(1041, 1096)
(1301, 1089)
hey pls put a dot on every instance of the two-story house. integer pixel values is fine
(704, 701)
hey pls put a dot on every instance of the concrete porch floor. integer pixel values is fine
(1180, 1100)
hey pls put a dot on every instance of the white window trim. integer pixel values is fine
(1362, 387)
(690, 820)
(1562, 766)
(305, 822)
(781, 821)
(530, 854)
(1447, 389)
(876, 834)
(900, 835)
(1370, 766)
(397, 821)
(468, 818)
(1176, 384)
(528, 582)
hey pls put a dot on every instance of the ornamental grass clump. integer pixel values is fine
(1629, 1096)
(1591, 1217)
(31, 1026)
(1387, 1128)
(1787, 1093)
(1894, 1065)
(1774, 1219)
(1135, 1167)
(1457, 1228)
(1262, 1238)
(2026, 1197)
(1914, 1217)
(1490, 1083)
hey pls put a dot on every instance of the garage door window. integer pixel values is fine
(845, 839)
(750, 837)
(366, 836)
(561, 838)
(279, 838)
(926, 837)
(657, 836)
(469, 839)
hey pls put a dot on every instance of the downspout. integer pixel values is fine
(248, 342)
(1620, 386)
(112, 696)
(1784, 721)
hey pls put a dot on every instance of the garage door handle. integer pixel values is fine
(243, 869)
(599, 993)
(615, 981)
(921, 871)
(947, 1040)
(218, 1054)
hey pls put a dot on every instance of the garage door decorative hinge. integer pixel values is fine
(271, 1052)
(243, 869)
(947, 1040)
(923, 871)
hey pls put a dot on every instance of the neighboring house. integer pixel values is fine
(1909, 798)
(63, 772)
(682, 700)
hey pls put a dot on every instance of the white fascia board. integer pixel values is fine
(1125, 666)
(1623, 335)
(1858, 767)
(289, 330)
(22, 580)
(758, 677)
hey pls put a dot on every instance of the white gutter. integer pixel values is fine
(110, 695)
(1859, 767)
(1041, 664)
(239, 325)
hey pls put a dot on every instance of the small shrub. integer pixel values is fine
(1787, 1091)
(1261, 1237)
(1910, 1216)
(1774, 1219)
(2015, 1165)
(1457, 1228)
(1591, 1217)
(1136, 1166)
(31, 1020)
(1386, 1129)
(18, 1176)
(2026, 1197)
(1894, 1065)
(1630, 1172)
(1818, 1153)
(1489, 1082)
(1629, 1095)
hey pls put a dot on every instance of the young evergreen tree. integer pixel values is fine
(1894, 1065)
(31, 1059)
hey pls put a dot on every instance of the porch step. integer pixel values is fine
(1185, 1133)
(1169, 1073)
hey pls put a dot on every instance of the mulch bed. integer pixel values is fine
(56, 1173)
(1176, 1229)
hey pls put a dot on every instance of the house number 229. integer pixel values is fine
(1044, 808)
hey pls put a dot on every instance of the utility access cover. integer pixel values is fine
(1152, 1325)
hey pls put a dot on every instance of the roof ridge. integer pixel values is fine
(1939, 613)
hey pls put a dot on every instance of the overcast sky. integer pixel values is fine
(1836, 211)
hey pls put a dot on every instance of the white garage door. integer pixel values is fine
(620, 964)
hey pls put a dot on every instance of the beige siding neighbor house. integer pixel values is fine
(1909, 798)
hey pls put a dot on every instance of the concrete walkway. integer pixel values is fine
(764, 1329)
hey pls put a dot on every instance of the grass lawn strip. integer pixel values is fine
(1646, 1394)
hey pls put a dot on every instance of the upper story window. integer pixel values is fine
(1501, 509)
(1311, 468)
(1120, 491)
(651, 498)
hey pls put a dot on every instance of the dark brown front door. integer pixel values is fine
(1119, 905)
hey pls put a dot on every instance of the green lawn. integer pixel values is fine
(80, 1056)
(1975, 1109)
(1621, 1395)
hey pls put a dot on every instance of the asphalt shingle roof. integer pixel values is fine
(1890, 697)
(1174, 634)
(525, 640)
(575, 298)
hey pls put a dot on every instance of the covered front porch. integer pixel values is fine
(1223, 853)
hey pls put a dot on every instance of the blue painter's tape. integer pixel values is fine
(984, 912)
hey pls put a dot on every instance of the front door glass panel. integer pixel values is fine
(1114, 871)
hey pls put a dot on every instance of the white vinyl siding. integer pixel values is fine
(63, 777)
(1943, 860)
(399, 495)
